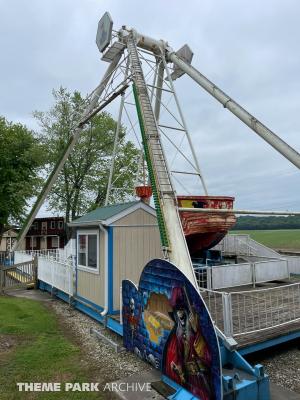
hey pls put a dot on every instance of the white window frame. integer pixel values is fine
(83, 267)
(52, 224)
(33, 242)
(60, 224)
(55, 237)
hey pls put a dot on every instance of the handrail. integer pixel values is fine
(6, 268)
(267, 289)
(266, 328)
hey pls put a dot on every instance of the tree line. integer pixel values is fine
(27, 157)
(266, 223)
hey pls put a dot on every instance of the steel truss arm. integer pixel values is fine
(66, 151)
(265, 133)
(185, 127)
(116, 141)
(238, 212)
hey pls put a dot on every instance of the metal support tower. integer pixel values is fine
(172, 236)
(116, 141)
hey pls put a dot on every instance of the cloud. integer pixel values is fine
(249, 49)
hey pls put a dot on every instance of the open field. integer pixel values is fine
(34, 348)
(288, 239)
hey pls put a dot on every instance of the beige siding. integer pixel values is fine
(89, 285)
(133, 248)
(138, 217)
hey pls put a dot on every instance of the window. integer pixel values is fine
(87, 250)
(52, 224)
(44, 226)
(35, 226)
(9, 243)
(33, 242)
(60, 224)
(55, 241)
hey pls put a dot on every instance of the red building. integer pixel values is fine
(46, 233)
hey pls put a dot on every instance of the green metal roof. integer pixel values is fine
(103, 213)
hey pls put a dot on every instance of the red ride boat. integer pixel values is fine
(205, 230)
(202, 230)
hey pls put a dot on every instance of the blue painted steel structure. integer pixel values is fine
(110, 231)
(86, 306)
(240, 380)
(269, 343)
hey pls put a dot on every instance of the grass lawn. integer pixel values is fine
(34, 348)
(277, 239)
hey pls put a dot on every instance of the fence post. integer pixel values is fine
(1, 279)
(227, 314)
(209, 278)
(74, 269)
(253, 272)
(288, 268)
(35, 271)
(71, 277)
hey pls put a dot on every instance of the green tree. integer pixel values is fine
(21, 159)
(83, 181)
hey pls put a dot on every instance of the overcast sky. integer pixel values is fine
(250, 49)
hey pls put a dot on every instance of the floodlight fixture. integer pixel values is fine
(184, 53)
(104, 31)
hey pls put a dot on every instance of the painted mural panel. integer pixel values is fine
(166, 323)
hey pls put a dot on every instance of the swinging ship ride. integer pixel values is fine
(205, 230)
(202, 230)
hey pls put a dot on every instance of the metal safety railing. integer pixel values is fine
(257, 310)
(243, 244)
(293, 264)
(249, 273)
(246, 312)
(203, 276)
(215, 304)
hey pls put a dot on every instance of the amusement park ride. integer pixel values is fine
(188, 224)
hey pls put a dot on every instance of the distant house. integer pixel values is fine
(46, 233)
(8, 239)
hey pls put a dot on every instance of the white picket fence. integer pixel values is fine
(55, 266)
(57, 274)
(22, 256)
(60, 255)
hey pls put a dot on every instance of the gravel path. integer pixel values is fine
(282, 364)
(107, 364)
